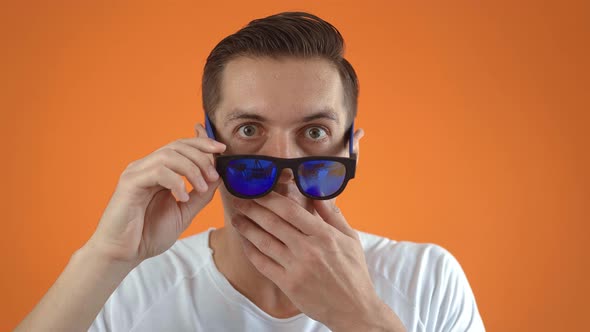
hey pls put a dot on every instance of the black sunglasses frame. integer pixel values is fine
(282, 163)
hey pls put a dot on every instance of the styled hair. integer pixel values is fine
(288, 34)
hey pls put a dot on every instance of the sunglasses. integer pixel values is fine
(253, 176)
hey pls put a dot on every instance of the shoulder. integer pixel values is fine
(152, 280)
(384, 254)
(407, 265)
(426, 276)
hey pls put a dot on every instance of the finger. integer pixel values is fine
(270, 222)
(264, 264)
(185, 167)
(265, 242)
(160, 176)
(204, 144)
(333, 216)
(196, 203)
(176, 162)
(202, 160)
(293, 213)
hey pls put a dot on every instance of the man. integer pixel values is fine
(280, 102)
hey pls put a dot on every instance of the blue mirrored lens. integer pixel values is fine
(250, 177)
(321, 178)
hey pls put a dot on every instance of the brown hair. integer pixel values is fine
(296, 34)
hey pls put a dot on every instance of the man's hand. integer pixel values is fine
(143, 218)
(316, 260)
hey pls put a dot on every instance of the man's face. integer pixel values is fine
(284, 107)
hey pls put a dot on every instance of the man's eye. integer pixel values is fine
(248, 130)
(315, 133)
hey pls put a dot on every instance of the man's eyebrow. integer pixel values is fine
(245, 115)
(327, 114)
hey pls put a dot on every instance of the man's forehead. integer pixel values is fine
(280, 67)
(266, 89)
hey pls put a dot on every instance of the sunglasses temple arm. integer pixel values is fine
(209, 127)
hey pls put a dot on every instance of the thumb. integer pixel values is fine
(196, 202)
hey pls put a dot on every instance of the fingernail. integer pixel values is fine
(184, 197)
(212, 173)
(201, 184)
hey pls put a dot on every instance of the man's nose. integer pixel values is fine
(281, 146)
(286, 176)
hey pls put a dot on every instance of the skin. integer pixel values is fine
(289, 254)
(283, 92)
(286, 253)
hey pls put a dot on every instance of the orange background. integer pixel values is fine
(476, 114)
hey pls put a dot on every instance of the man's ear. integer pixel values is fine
(360, 133)
(200, 130)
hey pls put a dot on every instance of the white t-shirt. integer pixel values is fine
(182, 290)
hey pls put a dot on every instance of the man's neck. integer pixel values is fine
(231, 261)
